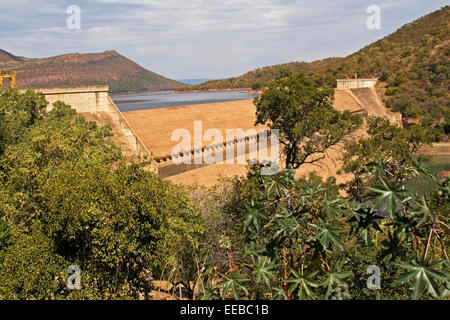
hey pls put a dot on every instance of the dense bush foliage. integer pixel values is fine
(69, 198)
(303, 240)
(387, 143)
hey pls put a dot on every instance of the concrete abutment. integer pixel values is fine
(95, 101)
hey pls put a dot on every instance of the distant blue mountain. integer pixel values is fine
(193, 82)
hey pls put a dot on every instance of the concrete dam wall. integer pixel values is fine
(94, 104)
(242, 149)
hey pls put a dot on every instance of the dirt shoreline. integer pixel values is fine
(436, 149)
(249, 90)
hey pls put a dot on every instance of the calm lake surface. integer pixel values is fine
(437, 165)
(167, 99)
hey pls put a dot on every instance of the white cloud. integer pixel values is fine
(202, 38)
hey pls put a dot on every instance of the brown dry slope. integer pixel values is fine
(368, 99)
(155, 126)
(344, 101)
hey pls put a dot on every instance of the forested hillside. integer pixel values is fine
(413, 63)
(257, 78)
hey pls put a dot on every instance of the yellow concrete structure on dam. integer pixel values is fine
(11, 75)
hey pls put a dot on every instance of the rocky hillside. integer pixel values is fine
(7, 57)
(413, 65)
(120, 73)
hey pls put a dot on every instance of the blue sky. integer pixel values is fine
(203, 38)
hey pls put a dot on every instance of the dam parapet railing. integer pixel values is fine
(355, 83)
(243, 149)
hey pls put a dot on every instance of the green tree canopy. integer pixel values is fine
(69, 197)
(304, 115)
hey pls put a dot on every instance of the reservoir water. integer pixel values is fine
(437, 165)
(167, 99)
